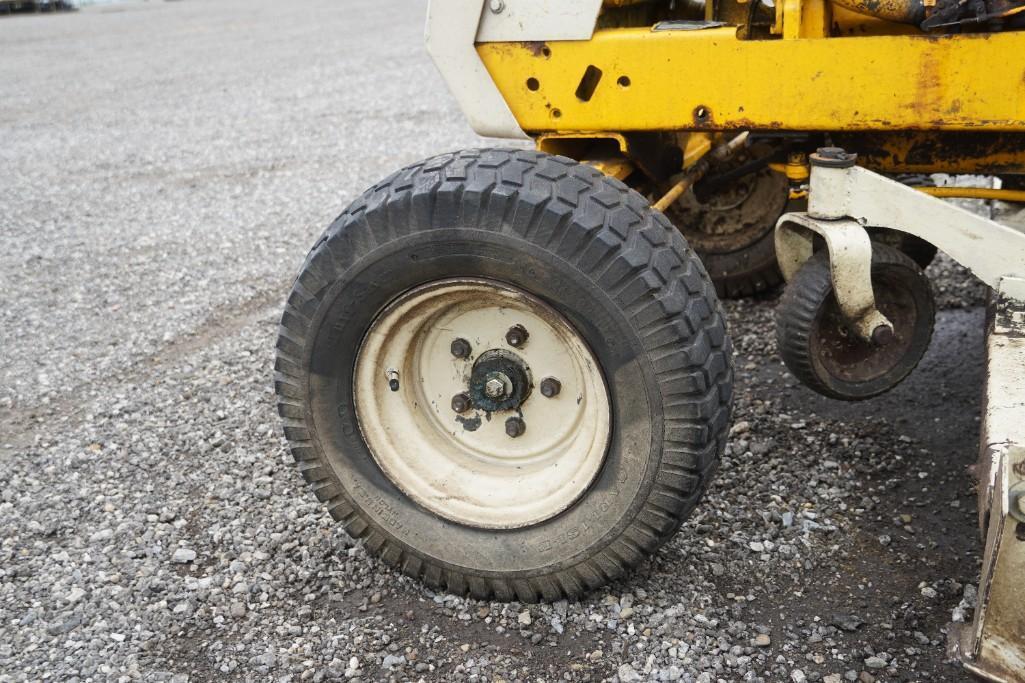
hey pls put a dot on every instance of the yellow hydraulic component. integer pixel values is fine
(616, 167)
(644, 80)
(797, 169)
(697, 168)
(975, 193)
(695, 147)
(674, 193)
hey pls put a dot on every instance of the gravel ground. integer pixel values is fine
(166, 166)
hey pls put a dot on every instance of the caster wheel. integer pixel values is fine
(821, 350)
(506, 373)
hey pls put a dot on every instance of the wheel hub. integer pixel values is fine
(500, 380)
(733, 218)
(465, 435)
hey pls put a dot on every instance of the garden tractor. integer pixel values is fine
(508, 370)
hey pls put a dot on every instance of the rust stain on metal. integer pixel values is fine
(538, 48)
(470, 424)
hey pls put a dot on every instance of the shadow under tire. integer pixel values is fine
(593, 251)
(820, 350)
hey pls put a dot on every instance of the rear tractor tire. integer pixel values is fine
(505, 373)
(732, 230)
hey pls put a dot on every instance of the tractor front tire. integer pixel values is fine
(505, 373)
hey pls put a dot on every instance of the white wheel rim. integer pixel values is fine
(480, 477)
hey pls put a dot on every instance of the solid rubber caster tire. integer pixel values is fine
(549, 234)
(818, 347)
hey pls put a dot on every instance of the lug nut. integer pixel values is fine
(550, 387)
(516, 336)
(460, 348)
(461, 403)
(882, 335)
(514, 427)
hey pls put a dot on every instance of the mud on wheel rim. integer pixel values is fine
(441, 372)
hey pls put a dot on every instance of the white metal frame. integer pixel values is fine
(455, 26)
(992, 645)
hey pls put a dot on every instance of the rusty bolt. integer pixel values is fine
(514, 427)
(460, 348)
(516, 336)
(550, 387)
(833, 157)
(882, 335)
(461, 403)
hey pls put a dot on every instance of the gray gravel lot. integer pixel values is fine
(165, 168)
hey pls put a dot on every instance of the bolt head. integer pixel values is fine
(497, 6)
(550, 387)
(494, 388)
(461, 403)
(833, 157)
(515, 427)
(460, 348)
(516, 336)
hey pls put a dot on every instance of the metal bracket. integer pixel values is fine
(850, 258)
(990, 250)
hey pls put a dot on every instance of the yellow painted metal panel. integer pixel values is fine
(709, 80)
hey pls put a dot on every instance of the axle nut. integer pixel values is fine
(550, 387)
(494, 388)
(514, 427)
(460, 348)
(516, 336)
(461, 403)
(833, 157)
(882, 335)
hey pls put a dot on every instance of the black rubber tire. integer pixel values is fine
(745, 272)
(921, 252)
(620, 274)
(746, 269)
(808, 310)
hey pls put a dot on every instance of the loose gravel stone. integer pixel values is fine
(183, 555)
(875, 662)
